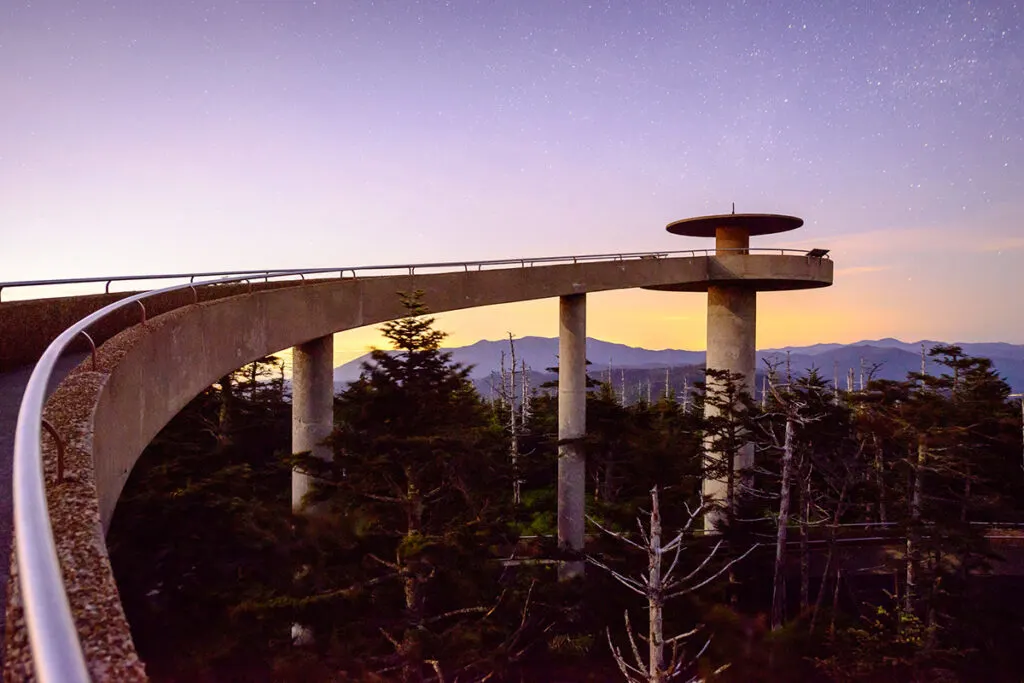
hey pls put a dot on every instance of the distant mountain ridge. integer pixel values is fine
(896, 358)
(991, 350)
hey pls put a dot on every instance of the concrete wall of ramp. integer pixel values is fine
(148, 373)
(28, 327)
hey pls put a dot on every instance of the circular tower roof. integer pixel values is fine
(753, 223)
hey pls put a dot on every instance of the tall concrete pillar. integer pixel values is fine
(312, 407)
(732, 345)
(572, 426)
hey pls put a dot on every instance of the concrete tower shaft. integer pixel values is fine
(728, 239)
(731, 346)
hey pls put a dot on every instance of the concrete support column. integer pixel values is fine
(732, 345)
(312, 407)
(572, 426)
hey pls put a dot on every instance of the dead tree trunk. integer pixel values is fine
(779, 588)
(225, 416)
(915, 520)
(840, 508)
(524, 396)
(656, 596)
(880, 478)
(805, 514)
(835, 381)
(411, 581)
(513, 425)
(517, 410)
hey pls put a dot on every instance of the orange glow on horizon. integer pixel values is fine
(675, 320)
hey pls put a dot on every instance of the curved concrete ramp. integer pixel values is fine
(190, 348)
(147, 373)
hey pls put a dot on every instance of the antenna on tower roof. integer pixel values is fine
(734, 208)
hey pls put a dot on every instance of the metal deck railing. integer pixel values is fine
(108, 280)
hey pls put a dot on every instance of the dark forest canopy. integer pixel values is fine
(430, 556)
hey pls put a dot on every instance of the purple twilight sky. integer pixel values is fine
(168, 136)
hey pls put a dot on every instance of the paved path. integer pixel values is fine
(12, 386)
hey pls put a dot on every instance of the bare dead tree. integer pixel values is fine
(524, 396)
(915, 519)
(773, 373)
(513, 426)
(872, 370)
(515, 396)
(806, 500)
(840, 508)
(793, 411)
(503, 378)
(917, 488)
(879, 472)
(779, 585)
(513, 648)
(658, 587)
(835, 380)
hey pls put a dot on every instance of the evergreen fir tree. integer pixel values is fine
(417, 462)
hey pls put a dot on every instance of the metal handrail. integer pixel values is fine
(524, 262)
(56, 650)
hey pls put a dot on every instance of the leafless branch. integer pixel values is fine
(457, 612)
(717, 574)
(383, 499)
(436, 666)
(704, 563)
(615, 534)
(627, 670)
(632, 642)
(632, 584)
(389, 565)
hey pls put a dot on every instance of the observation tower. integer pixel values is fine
(735, 274)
